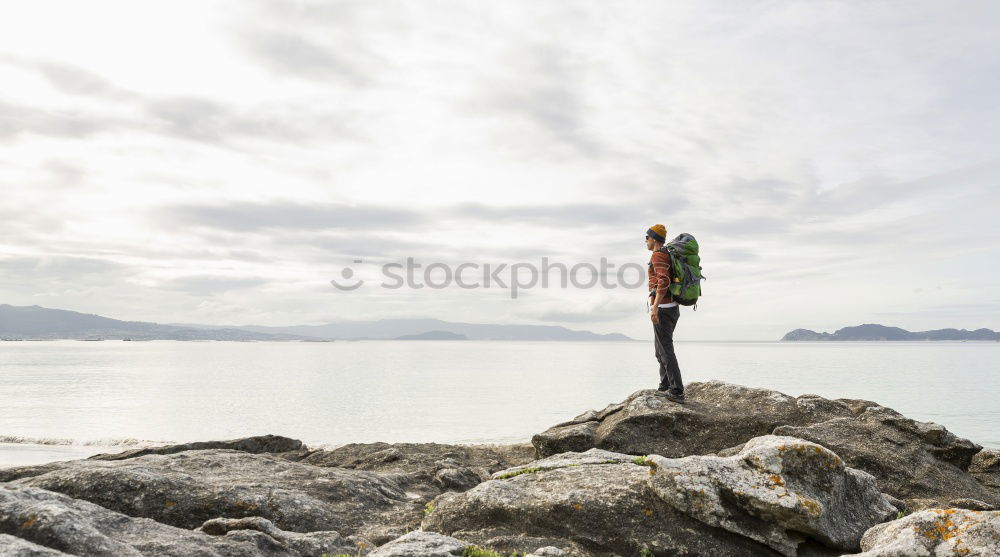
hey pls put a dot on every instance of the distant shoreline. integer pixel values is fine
(880, 333)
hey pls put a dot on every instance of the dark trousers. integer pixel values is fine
(663, 339)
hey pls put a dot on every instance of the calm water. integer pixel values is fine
(79, 397)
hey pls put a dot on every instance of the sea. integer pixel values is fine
(69, 399)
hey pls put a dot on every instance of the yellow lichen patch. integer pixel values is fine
(169, 504)
(942, 529)
(30, 522)
(819, 450)
(578, 507)
(776, 480)
(813, 507)
(647, 512)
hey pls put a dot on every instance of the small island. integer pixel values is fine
(873, 332)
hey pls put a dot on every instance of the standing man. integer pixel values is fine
(664, 313)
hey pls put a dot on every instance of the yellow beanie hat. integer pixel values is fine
(657, 232)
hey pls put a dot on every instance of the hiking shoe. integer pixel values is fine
(679, 399)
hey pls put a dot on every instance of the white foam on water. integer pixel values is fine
(122, 443)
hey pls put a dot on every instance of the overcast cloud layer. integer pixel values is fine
(220, 162)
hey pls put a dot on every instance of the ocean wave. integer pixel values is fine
(125, 443)
(323, 446)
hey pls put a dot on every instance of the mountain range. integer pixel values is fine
(881, 332)
(36, 322)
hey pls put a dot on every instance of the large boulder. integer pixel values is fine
(422, 470)
(591, 503)
(772, 496)
(290, 449)
(379, 488)
(716, 416)
(188, 488)
(421, 544)
(776, 490)
(427, 469)
(935, 532)
(985, 468)
(39, 519)
(911, 460)
(257, 444)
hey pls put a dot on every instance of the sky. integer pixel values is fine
(220, 162)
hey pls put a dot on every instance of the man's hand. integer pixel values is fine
(654, 315)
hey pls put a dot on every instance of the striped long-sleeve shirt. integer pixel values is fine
(659, 275)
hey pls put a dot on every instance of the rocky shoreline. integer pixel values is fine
(735, 471)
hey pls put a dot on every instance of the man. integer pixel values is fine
(664, 313)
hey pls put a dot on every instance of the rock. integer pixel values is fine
(899, 504)
(592, 456)
(716, 416)
(256, 445)
(61, 523)
(857, 405)
(591, 503)
(9, 474)
(17, 547)
(457, 479)
(971, 504)
(421, 544)
(313, 543)
(910, 460)
(422, 459)
(548, 551)
(778, 491)
(918, 504)
(186, 489)
(985, 468)
(935, 532)
(568, 437)
(422, 470)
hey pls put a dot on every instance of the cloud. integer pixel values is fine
(315, 41)
(196, 118)
(78, 81)
(539, 84)
(286, 53)
(758, 225)
(508, 132)
(16, 120)
(49, 269)
(252, 217)
(569, 214)
(216, 122)
(207, 285)
(69, 78)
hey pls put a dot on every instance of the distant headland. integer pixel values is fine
(39, 323)
(881, 332)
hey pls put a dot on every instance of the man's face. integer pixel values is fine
(649, 243)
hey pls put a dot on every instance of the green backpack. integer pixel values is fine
(685, 269)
